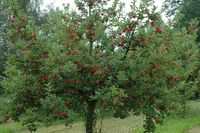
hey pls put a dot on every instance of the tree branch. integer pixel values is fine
(129, 43)
(90, 28)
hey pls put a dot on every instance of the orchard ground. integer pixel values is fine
(133, 124)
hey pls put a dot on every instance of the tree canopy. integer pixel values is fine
(96, 60)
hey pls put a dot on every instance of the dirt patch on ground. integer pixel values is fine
(194, 130)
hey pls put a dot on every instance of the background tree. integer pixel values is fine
(31, 8)
(187, 9)
(3, 47)
(185, 12)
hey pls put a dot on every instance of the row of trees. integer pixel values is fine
(97, 60)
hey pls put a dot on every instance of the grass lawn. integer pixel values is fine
(110, 125)
(194, 130)
(11, 127)
(132, 124)
(177, 124)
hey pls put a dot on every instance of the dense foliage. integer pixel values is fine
(3, 22)
(186, 12)
(31, 8)
(95, 60)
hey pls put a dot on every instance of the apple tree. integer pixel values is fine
(98, 58)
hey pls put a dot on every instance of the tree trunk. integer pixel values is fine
(90, 121)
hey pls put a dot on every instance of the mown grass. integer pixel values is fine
(178, 124)
(132, 124)
(11, 127)
(110, 125)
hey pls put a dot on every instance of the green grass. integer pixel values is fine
(11, 127)
(177, 124)
(132, 124)
(110, 125)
